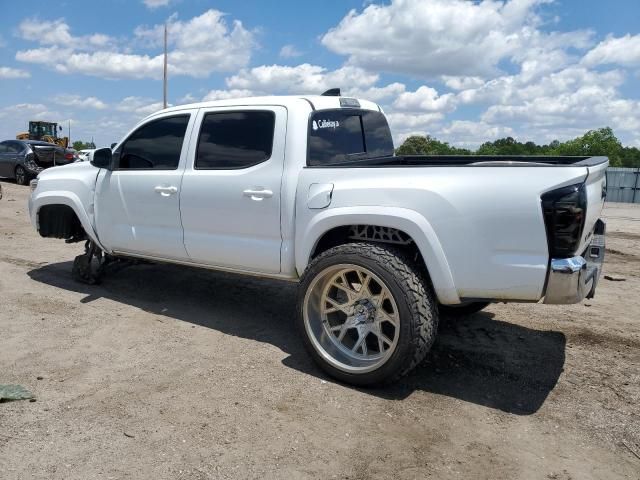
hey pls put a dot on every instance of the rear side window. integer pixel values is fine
(231, 140)
(155, 145)
(14, 146)
(337, 136)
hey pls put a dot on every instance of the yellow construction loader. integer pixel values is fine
(45, 131)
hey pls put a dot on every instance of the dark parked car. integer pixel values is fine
(24, 159)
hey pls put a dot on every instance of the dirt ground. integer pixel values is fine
(170, 372)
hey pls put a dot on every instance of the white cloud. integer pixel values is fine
(470, 133)
(227, 94)
(57, 32)
(301, 79)
(425, 99)
(495, 63)
(152, 4)
(12, 73)
(586, 107)
(462, 83)
(376, 94)
(36, 109)
(290, 51)
(140, 106)
(198, 47)
(188, 98)
(623, 51)
(54, 56)
(510, 89)
(444, 37)
(112, 65)
(76, 101)
(404, 125)
(304, 79)
(46, 32)
(559, 105)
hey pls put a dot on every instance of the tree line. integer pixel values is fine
(80, 145)
(595, 142)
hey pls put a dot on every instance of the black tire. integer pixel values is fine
(22, 177)
(463, 310)
(414, 298)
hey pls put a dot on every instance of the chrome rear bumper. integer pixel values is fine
(573, 279)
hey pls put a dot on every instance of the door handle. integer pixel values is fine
(258, 195)
(166, 191)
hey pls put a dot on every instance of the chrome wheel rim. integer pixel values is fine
(20, 175)
(351, 318)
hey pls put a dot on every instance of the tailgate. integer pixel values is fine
(596, 187)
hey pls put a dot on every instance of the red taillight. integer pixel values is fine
(564, 213)
(68, 156)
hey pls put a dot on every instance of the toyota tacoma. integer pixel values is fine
(309, 189)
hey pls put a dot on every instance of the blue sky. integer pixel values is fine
(462, 71)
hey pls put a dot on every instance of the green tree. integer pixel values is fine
(630, 157)
(487, 148)
(427, 145)
(595, 142)
(80, 145)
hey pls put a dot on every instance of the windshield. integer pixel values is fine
(342, 135)
(41, 129)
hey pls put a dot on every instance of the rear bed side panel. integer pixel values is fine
(486, 221)
(409, 221)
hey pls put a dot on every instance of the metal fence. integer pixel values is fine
(623, 185)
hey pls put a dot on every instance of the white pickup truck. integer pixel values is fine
(308, 189)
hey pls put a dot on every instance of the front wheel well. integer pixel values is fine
(60, 221)
(375, 234)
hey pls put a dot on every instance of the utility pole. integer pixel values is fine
(69, 141)
(165, 68)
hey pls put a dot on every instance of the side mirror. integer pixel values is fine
(102, 158)
(113, 145)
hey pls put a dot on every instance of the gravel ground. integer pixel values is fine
(171, 372)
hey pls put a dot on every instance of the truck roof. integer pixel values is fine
(318, 102)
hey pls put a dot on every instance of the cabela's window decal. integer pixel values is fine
(325, 124)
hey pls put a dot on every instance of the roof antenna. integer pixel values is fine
(332, 92)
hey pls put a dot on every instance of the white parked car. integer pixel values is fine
(307, 188)
(85, 155)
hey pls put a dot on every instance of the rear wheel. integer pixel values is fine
(365, 313)
(462, 310)
(22, 177)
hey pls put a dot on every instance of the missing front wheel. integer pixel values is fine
(89, 267)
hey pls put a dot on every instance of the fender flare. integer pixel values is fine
(409, 221)
(71, 200)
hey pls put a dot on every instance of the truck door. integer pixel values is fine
(230, 197)
(138, 203)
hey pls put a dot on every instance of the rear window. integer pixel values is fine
(337, 136)
(235, 139)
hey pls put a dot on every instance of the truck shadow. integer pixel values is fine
(477, 359)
